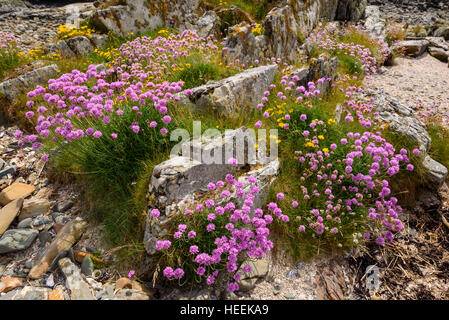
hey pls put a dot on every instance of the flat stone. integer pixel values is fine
(439, 53)
(17, 239)
(33, 208)
(15, 191)
(25, 223)
(414, 48)
(8, 213)
(9, 283)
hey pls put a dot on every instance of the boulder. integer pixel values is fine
(17, 239)
(259, 270)
(439, 53)
(442, 31)
(62, 48)
(175, 183)
(281, 33)
(414, 48)
(401, 119)
(374, 21)
(227, 95)
(80, 45)
(139, 16)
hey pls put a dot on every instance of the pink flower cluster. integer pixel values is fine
(236, 229)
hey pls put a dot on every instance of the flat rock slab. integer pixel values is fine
(17, 239)
(8, 213)
(64, 240)
(15, 191)
(34, 208)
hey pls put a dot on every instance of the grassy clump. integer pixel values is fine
(196, 70)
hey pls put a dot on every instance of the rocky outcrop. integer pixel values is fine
(401, 119)
(177, 183)
(374, 21)
(12, 88)
(139, 16)
(242, 90)
(285, 25)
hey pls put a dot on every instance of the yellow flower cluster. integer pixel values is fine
(257, 30)
(109, 54)
(65, 31)
(222, 3)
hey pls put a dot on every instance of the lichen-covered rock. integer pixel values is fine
(61, 48)
(281, 33)
(75, 282)
(242, 90)
(80, 45)
(350, 10)
(208, 25)
(139, 16)
(12, 88)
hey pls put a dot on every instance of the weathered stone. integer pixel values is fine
(27, 293)
(350, 10)
(139, 16)
(230, 94)
(57, 294)
(61, 48)
(64, 240)
(99, 40)
(281, 33)
(80, 45)
(63, 206)
(259, 270)
(25, 223)
(15, 191)
(8, 213)
(33, 208)
(9, 283)
(208, 25)
(414, 48)
(12, 88)
(439, 53)
(436, 173)
(374, 21)
(79, 288)
(442, 31)
(17, 239)
(401, 119)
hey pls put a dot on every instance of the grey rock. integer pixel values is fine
(63, 206)
(27, 293)
(25, 223)
(87, 266)
(61, 48)
(80, 45)
(40, 221)
(208, 24)
(12, 88)
(78, 287)
(414, 48)
(442, 31)
(9, 170)
(439, 53)
(227, 95)
(17, 239)
(99, 40)
(436, 173)
(374, 21)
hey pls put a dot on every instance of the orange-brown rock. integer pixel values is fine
(15, 191)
